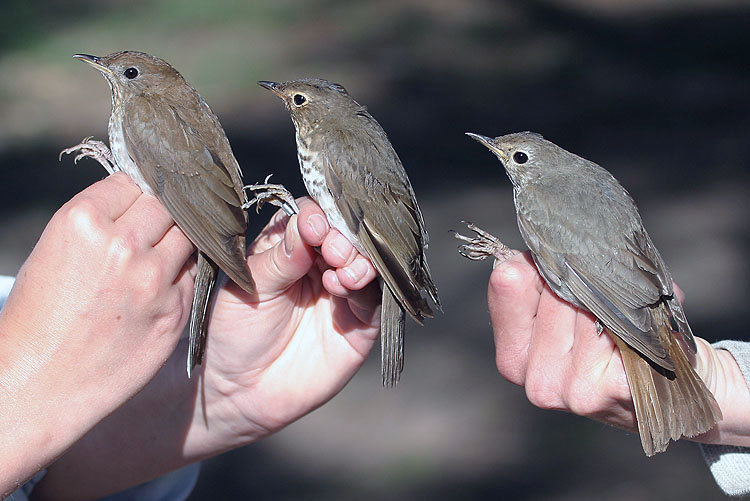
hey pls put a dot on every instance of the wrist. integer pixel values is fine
(40, 416)
(722, 375)
(228, 416)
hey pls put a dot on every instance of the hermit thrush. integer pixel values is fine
(589, 244)
(166, 138)
(351, 170)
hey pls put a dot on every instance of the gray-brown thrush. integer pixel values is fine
(589, 244)
(165, 137)
(351, 170)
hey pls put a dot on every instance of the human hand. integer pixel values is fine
(277, 356)
(96, 310)
(269, 360)
(553, 350)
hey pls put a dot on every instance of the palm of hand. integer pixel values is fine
(291, 348)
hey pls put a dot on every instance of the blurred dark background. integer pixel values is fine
(654, 90)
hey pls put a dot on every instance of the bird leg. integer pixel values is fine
(483, 246)
(275, 194)
(599, 327)
(97, 150)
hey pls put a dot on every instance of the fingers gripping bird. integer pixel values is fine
(351, 170)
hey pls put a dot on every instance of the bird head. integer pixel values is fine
(524, 155)
(312, 101)
(133, 73)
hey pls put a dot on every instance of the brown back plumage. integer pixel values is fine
(355, 175)
(167, 139)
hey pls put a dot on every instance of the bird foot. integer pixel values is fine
(275, 194)
(482, 246)
(97, 150)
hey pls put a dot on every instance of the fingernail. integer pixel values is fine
(318, 225)
(335, 279)
(289, 236)
(355, 271)
(336, 249)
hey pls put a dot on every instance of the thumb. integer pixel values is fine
(279, 267)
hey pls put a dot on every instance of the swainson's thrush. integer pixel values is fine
(165, 137)
(589, 244)
(351, 170)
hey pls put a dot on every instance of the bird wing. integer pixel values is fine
(619, 278)
(194, 175)
(374, 196)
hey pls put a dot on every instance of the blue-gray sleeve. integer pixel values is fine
(730, 465)
(6, 283)
(22, 494)
(174, 486)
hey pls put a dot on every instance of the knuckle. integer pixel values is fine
(541, 392)
(581, 398)
(275, 266)
(171, 317)
(509, 368)
(511, 364)
(150, 282)
(152, 206)
(509, 277)
(121, 179)
(82, 214)
(121, 250)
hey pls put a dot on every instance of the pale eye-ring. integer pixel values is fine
(299, 99)
(130, 73)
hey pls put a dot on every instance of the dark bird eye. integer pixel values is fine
(520, 157)
(299, 99)
(130, 73)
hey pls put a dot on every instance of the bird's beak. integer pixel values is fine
(489, 143)
(272, 86)
(93, 61)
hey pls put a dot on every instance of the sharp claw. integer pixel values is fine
(67, 151)
(92, 148)
(275, 194)
(461, 237)
(482, 246)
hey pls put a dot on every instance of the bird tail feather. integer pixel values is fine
(392, 320)
(668, 405)
(205, 281)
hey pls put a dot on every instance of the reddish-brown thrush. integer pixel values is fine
(166, 138)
